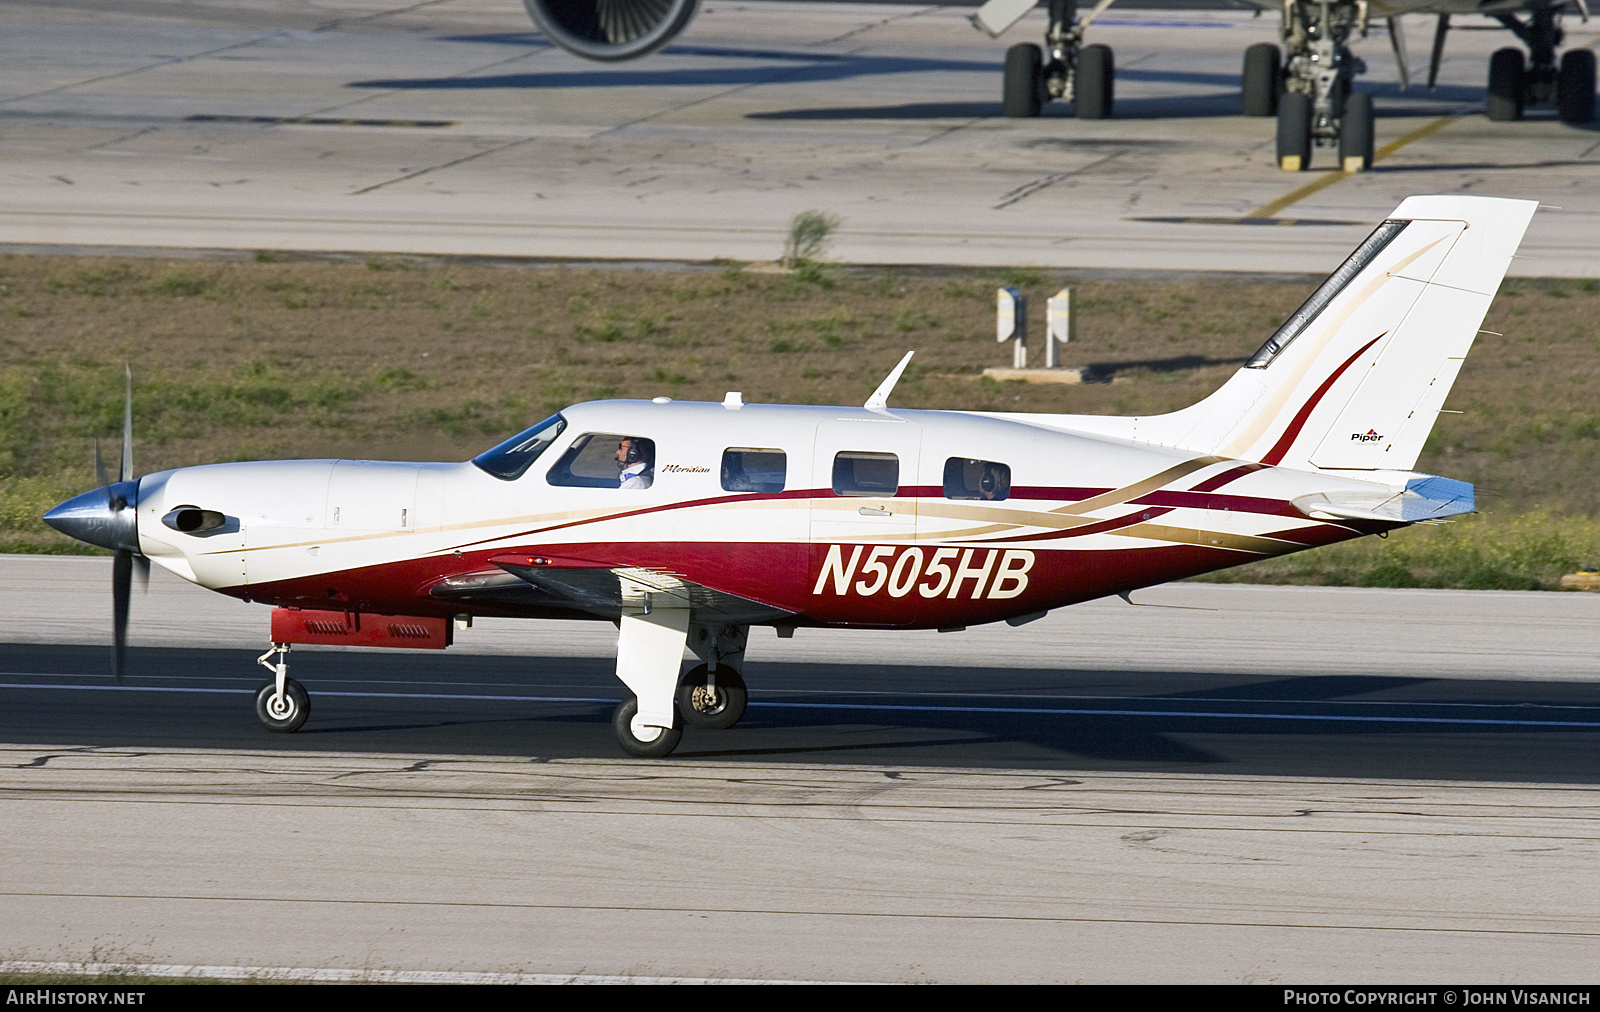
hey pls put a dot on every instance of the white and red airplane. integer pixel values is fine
(686, 523)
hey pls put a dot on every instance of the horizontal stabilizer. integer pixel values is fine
(1429, 498)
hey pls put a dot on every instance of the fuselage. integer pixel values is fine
(891, 518)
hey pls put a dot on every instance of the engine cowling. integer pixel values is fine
(611, 29)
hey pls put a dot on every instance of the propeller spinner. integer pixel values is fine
(108, 518)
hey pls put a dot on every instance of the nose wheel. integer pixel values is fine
(282, 705)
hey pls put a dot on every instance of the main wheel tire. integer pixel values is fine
(1294, 131)
(1022, 87)
(1575, 86)
(1355, 134)
(1508, 85)
(661, 745)
(1259, 87)
(1093, 92)
(291, 715)
(714, 704)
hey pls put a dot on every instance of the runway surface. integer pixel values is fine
(451, 127)
(1220, 784)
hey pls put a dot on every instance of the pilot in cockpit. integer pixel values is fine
(634, 464)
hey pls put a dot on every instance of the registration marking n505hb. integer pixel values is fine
(898, 569)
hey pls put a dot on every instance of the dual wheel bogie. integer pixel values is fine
(1263, 93)
(706, 700)
(1029, 81)
(1513, 84)
(1297, 124)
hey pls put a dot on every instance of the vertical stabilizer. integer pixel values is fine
(1356, 377)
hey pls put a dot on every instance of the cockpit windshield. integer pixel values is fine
(512, 458)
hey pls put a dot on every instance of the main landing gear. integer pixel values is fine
(652, 632)
(1073, 72)
(1515, 82)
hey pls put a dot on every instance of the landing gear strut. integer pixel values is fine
(1316, 108)
(712, 695)
(1072, 72)
(282, 705)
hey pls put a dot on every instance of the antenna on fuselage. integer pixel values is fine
(880, 397)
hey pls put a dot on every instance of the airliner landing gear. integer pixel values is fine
(282, 705)
(1514, 83)
(1072, 72)
(1319, 68)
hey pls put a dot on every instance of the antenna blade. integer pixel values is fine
(880, 397)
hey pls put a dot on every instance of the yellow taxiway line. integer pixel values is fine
(1299, 193)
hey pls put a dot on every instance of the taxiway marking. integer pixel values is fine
(1295, 196)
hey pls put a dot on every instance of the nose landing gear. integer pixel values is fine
(282, 705)
(1316, 108)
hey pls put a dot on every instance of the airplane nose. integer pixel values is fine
(106, 517)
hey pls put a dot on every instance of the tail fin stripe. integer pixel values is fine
(1287, 439)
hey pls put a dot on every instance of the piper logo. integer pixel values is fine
(936, 572)
(1369, 436)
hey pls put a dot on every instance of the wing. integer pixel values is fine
(525, 581)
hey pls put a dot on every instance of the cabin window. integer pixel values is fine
(856, 472)
(512, 458)
(965, 478)
(753, 470)
(607, 460)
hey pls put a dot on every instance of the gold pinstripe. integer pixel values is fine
(992, 520)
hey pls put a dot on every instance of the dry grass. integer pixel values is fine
(241, 360)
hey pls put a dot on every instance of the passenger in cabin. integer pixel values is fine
(635, 469)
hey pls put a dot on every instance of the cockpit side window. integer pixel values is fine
(606, 460)
(754, 470)
(512, 458)
(965, 478)
(858, 472)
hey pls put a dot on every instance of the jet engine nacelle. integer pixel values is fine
(611, 29)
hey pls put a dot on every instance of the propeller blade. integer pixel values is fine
(121, 591)
(126, 472)
(141, 572)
